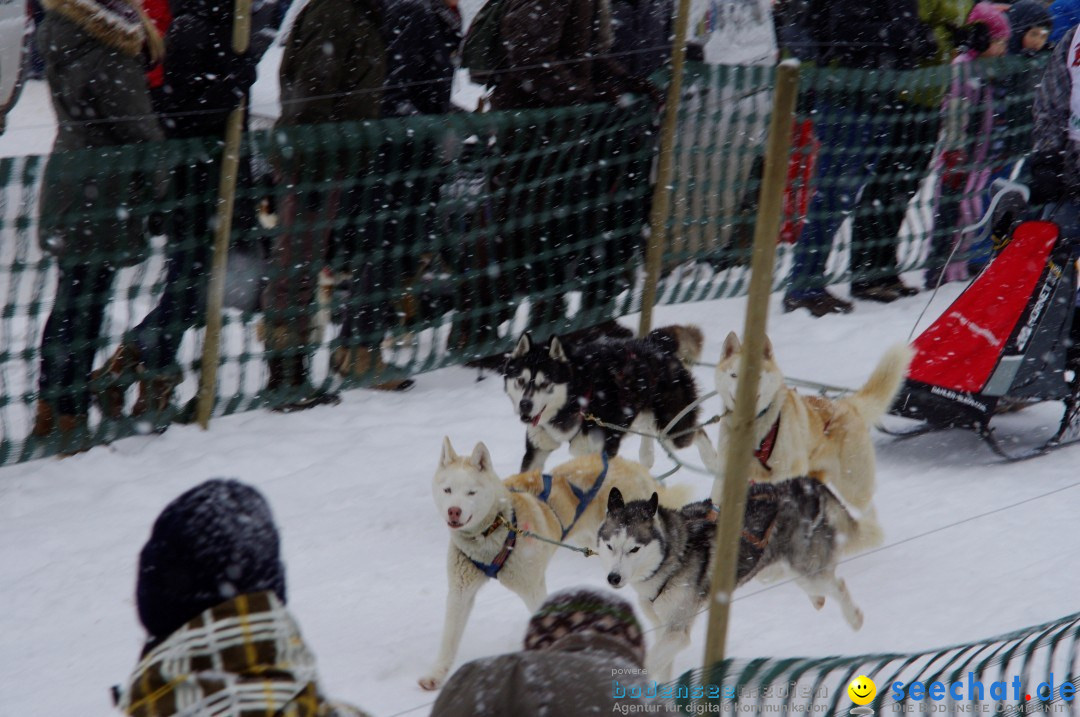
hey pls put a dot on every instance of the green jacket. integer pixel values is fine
(943, 16)
(334, 64)
(96, 194)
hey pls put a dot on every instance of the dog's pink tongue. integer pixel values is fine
(536, 418)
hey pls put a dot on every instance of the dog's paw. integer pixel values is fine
(431, 682)
(818, 601)
(856, 619)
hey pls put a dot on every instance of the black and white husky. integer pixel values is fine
(666, 555)
(558, 389)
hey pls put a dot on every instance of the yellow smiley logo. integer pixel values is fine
(862, 690)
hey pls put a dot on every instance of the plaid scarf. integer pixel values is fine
(242, 658)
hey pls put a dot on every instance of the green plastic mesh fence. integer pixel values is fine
(1025, 672)
(359, 253)
(364, 253)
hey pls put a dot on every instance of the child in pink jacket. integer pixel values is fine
(967, 160)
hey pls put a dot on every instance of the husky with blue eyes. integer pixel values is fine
(505, 530)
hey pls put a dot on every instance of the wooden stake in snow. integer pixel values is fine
(661, 203)
(230, 161)
(733, 481)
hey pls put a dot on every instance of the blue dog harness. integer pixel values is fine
(584, 497)
(492, 569)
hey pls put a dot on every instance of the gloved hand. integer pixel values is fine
(1047, 181)
(953, 172)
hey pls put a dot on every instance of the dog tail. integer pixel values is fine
(856, 530)
(684, 341)
(876, 396)
(676, 496)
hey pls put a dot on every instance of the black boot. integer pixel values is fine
(288, 388)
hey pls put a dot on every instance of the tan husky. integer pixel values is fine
(796, 435)
(487, 518)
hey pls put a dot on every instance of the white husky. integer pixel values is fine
(487, 516)
(798, 435)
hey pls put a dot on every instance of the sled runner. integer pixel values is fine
(1004, 342)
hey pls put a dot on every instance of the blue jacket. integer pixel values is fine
(1066, 15)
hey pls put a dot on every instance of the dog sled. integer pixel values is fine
(1006, 342)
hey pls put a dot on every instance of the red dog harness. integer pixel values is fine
(764, 451)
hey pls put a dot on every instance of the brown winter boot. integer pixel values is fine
(44, 421)
(288, 388)
(67, 431)
(356, 362)
(155, 394)
(110, 382)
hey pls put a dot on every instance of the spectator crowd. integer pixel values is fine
(127, 71)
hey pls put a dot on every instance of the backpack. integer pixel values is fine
(482, 53)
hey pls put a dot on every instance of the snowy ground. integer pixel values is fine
(973, 548)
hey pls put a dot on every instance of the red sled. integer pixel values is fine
(1005, 339)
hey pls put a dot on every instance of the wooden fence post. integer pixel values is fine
(734, 481)
(230, 162)
(661, 202)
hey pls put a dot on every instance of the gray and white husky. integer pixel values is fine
(666, 555)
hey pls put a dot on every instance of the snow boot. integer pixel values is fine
(110, 382)
(357, 363)
(288, 388)
(154, 402)
(66, 432)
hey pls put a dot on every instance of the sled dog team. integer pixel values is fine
(810, 498)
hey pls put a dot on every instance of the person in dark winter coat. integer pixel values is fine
(574, 646)
(423, 45)
(558, 53)
(1055, 158)
(91, 221)
(423, 41)
(790, 22)
(211, 594)
(203, 80)
(423, 38)
(333, 70)
(642, 32)
(850, 34)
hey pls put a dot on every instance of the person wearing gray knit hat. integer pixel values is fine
(584, 653)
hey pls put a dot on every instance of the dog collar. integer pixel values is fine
(492, 569)
(495, 525)
(764, 451)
